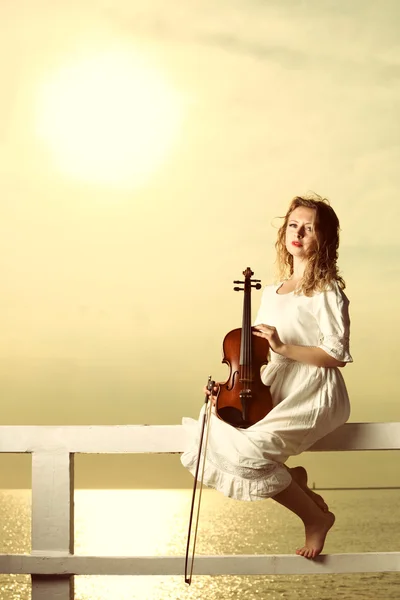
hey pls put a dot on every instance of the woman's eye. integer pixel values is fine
(292, 224)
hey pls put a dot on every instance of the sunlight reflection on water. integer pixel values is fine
(154, 522)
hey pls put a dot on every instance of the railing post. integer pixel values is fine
(52, 519)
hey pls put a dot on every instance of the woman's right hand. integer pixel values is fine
(213, 396)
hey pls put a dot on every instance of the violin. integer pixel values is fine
(243, 399)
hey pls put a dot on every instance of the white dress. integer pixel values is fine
(309, 402)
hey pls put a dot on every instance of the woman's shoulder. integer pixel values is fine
(335, 289)
(332, 294)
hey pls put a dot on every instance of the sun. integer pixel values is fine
(108, 118)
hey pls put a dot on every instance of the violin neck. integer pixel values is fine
(245, 341)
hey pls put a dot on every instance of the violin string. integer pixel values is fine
(248, 333)
(247, 324)
(247, 337)
(250, 342)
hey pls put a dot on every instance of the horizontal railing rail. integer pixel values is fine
(52, 563)
(236, 564)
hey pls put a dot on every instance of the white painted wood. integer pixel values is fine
(284, 564)
(120, 439)
(96, 439)
(52, 587)
(52, 518)
(52, 562)
(362, 436)
(52, 502)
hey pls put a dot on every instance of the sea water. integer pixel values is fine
(154, 522)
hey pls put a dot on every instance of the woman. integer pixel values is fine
(306, 322)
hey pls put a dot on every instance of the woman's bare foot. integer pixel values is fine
(316, 522)
(316, 534)
(300, 476)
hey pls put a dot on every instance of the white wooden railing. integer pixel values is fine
(52, 563)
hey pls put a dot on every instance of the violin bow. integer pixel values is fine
(206, 420)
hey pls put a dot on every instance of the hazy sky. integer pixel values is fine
(144, 155)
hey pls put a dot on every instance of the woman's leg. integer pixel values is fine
(316, 522)
(300, 476)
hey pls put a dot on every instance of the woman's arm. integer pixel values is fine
(309, 355)
(305, 354)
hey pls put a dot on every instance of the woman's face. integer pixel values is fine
(300, 232)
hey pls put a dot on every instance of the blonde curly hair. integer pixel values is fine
(321, 270)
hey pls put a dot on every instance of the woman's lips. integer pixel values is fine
(297, 244)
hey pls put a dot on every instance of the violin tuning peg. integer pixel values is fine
(239, 282)
(238, 289)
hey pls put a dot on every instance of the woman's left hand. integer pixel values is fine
(270, 334)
